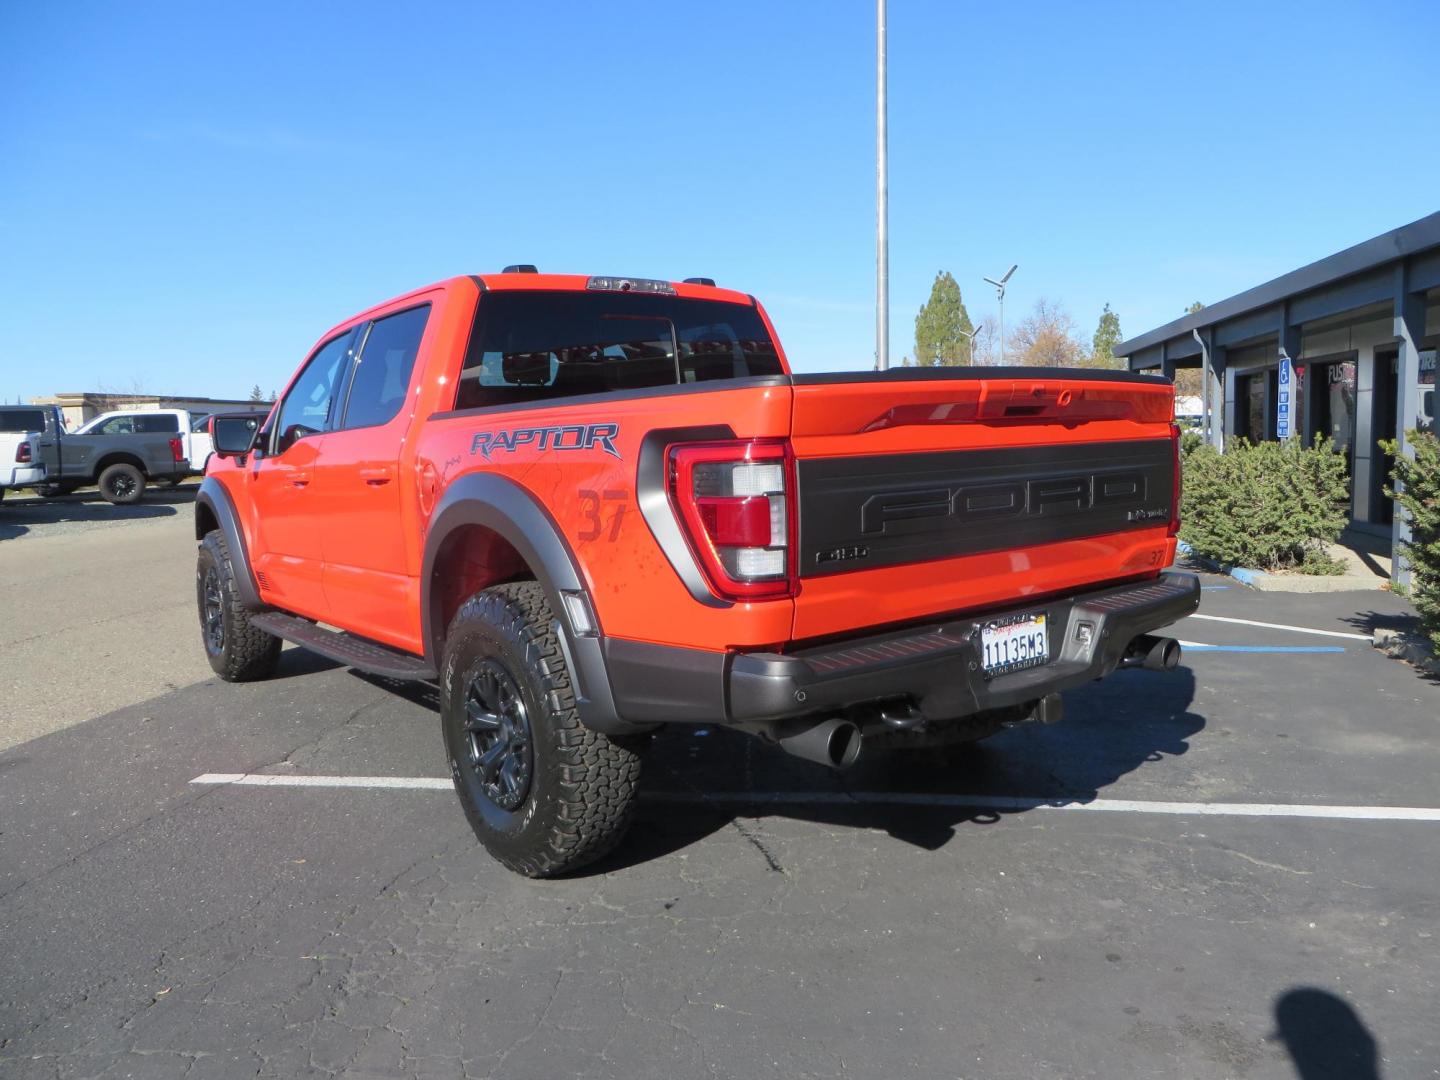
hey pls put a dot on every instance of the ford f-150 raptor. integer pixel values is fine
(587, 507)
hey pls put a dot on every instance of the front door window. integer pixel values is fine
(309, 404)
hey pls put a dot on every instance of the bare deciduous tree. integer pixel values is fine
(1046, 338)
(986, 341)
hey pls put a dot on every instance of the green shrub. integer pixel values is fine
(1271, 506)
(1419, 481)
(1190, 441)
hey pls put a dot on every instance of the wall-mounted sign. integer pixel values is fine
(1284, 398)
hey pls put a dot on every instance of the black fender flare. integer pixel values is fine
(503, 506)
(213, 497)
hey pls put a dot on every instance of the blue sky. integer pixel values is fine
(190, 194)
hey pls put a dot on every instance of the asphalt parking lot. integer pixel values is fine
(1225, 871)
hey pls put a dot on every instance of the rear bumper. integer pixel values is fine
(934, 668)
(22, 476)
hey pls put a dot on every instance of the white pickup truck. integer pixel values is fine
(20, 460)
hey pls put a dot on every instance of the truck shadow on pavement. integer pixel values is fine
(698, 784)
(701, 780)
(22, 515)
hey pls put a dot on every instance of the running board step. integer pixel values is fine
(348, 649)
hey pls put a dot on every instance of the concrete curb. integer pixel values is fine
(1291, 583)
(1412, 648)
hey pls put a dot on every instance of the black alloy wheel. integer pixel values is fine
(543, 792)
(497, 730)
(212, 610)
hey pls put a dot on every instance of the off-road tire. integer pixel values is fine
(243, 652)
(121, 484)
(582, 785)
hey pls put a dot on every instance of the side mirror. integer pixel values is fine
(233, 435)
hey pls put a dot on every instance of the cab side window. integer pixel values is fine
(117, 425)
(382, 374)
(309, 406)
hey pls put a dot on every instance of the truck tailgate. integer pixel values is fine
(927, 492)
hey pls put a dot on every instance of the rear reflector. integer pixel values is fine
(733, 501)
(1175, 488)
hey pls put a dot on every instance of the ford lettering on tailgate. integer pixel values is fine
(903, 508)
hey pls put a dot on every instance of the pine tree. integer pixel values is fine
(1107, 337)
(938, 327)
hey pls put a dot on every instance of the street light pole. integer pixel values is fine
(882, 198)
(970, 336)
(1000, 291)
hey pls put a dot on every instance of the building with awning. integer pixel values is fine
(1359, 330)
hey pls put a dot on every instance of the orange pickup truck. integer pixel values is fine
(587, 507)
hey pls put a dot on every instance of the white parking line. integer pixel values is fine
(885, 798)
(428, 783)
(1282, 626)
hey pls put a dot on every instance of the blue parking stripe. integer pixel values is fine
(1266, 648)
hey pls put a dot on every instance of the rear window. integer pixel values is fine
(529, 346)
(15, 420)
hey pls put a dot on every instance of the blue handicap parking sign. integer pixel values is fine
(1282, 399)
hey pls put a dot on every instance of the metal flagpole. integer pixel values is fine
(882, 199)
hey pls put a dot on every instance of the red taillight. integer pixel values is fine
(1175, 488)
(177, 448)
(735, 502)
(24, 454)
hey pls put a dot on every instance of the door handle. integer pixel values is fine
(381, 474)
(299, 479)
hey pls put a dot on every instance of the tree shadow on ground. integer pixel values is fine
(1405, 622)
(1325, 1037)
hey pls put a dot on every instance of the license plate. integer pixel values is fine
(1014, 644)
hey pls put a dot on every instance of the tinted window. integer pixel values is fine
(382, 374)
(22, 419)
(157, 423)
(307, 407)
(533, 345)
(140, 424)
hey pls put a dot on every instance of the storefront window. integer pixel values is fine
(1335, 405)
(1255, 407)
